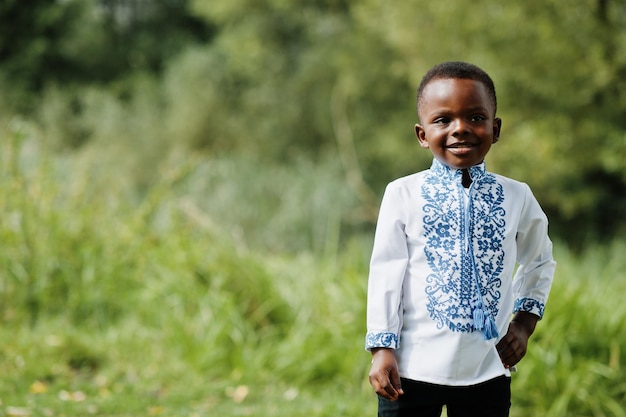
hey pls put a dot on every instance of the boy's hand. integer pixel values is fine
(512, 347)
(384, 376)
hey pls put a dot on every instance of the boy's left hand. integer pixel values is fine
(512, 347)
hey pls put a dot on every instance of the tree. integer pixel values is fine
(279, 80)
(80, 42)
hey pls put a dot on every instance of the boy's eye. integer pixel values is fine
(478, 118)
(441, 121)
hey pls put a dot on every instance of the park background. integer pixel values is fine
(188, 194)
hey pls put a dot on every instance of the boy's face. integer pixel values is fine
(458, 122)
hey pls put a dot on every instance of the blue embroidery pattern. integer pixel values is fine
(529, 305)
(464, 248)
(385, 339)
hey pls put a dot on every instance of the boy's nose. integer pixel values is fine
(459, 127)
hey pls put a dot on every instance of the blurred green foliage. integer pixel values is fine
(278, 81)
(116, 306)
(189, 191)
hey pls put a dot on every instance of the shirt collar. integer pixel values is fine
(452, 174)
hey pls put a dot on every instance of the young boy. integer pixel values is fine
(442, 285)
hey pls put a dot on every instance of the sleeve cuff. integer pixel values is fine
(529, 305)
(383, 339)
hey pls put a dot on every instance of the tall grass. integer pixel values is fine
(228, 288)
(575, 366)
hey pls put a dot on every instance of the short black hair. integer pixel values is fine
(458, 70)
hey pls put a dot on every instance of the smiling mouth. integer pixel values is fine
(461, 146)
(461, 149)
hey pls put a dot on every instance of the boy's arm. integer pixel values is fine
(387, 268)
(533, 278)
(532, 281)
(384, 296)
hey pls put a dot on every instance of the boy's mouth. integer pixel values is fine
(460, 147)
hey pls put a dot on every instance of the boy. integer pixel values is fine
(441, 288)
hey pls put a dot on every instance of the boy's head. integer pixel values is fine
(456, 104)
(457, 70)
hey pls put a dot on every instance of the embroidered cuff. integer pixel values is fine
(384, 339)
(529, 305)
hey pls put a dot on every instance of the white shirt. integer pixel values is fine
(443, 281)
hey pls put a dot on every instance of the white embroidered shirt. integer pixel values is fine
(449, 266)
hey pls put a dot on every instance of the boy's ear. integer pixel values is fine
(497, 127)
(421, 136)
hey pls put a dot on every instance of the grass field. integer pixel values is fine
(118, 305)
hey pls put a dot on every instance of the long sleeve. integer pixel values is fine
(387, 270)
(533, 279)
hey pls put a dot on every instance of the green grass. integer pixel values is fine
(176, 302)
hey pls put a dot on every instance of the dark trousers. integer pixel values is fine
(420, 399)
